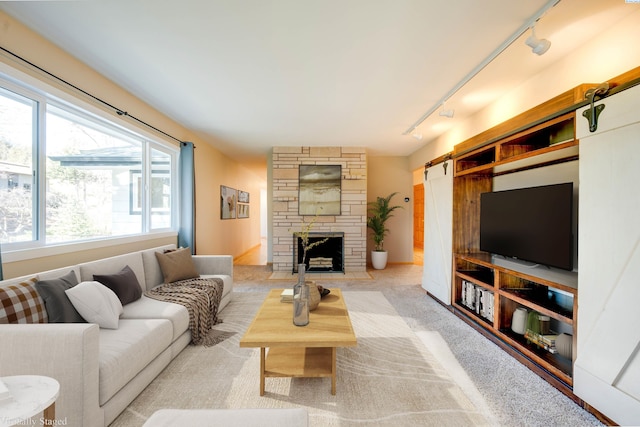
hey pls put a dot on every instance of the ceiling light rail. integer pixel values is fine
(524, 28)
(118, 111)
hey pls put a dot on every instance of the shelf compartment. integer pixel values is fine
(545, 299)
(559, 366)
(532, 299)
(480, 159)
(533, 141)
(478, 299)
(476, 270)
(473, 315)
(482, 277)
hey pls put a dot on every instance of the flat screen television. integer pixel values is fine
(533, 224)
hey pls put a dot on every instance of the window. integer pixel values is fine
(67, 175)
(17, 135)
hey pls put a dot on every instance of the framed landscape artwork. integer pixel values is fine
(320, 189)
(228, 202)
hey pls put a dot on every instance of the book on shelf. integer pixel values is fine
(287, 295)
(546, 342)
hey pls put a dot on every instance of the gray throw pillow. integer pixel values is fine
(56, 302)
(124, 284)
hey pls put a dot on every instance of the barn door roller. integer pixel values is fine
(594, 110)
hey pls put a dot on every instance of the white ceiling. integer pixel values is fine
(251, 74)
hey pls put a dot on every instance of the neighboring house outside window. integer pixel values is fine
(67, 175)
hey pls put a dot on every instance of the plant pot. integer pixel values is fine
(379, 259)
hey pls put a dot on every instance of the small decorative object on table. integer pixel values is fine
(314, 295)
(287, 295)
(323, 292)
(301, 299)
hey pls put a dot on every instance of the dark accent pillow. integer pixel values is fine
(124, 284)
(56, 302)
(177, 265)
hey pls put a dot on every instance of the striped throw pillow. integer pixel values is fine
(21, 303)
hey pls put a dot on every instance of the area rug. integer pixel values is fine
(390, 379)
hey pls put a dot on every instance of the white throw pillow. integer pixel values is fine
(96, 304)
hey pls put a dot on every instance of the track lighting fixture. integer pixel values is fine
(538, 46)
(447, 113)
(535, 42)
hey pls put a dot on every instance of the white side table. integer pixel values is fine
(31, 394)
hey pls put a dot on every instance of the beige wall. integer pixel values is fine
(213, 235)
(387, 175)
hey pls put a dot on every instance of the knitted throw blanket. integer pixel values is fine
(201, 297)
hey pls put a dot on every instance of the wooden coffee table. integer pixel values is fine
(299, 351)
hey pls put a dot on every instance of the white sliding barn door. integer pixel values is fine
(438, 223)
(607, 368)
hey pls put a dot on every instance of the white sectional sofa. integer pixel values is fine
(102, 370)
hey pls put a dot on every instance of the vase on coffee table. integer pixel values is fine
(301, 299)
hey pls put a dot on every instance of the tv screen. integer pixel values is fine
(533, 224)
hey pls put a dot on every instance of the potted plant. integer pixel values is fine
(379, 212)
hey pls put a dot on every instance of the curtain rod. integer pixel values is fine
(118, 111)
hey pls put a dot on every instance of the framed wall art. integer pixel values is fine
(243, 210)
(228, 202)
(319, 189)
(243, 196)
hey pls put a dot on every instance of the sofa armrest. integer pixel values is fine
(67, 352)
(214, 264)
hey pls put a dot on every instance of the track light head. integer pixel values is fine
(538, 46)
(447, 113)
(417, 135)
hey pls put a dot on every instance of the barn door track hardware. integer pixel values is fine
(594, 111)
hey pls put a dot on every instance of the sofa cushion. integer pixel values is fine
(149, 308)
(21, 303)
(113, 265)
(177, 265)
(96, 304)
(125, 351)
(124, 284)
(152, 272)
(59, 308)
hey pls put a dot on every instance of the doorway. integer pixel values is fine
(418, 223)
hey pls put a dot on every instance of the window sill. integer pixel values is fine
(25, 254)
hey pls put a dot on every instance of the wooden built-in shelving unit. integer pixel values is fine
(544, 135)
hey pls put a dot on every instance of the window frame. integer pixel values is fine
(44, 96)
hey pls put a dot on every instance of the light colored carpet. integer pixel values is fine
(390, 379)
(514, 395)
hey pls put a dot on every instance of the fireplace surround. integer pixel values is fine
(285, 214)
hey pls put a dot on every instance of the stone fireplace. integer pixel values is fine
(351, 222)
(326, 257)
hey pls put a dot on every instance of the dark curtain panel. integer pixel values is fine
(1, 277)
(187, 228)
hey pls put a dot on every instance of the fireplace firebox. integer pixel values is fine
(326, 257)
